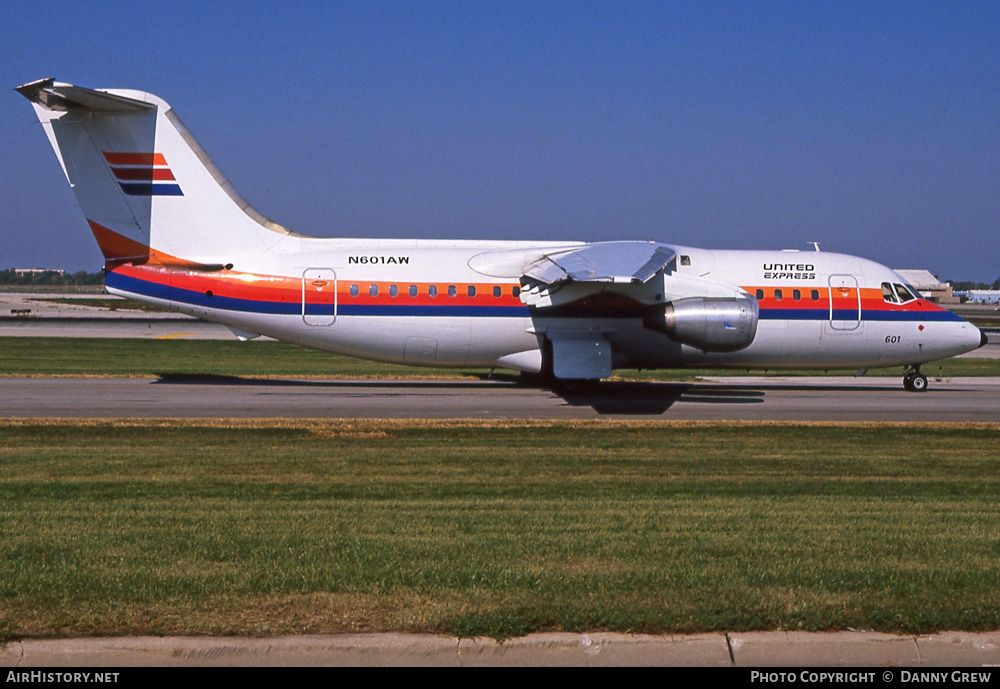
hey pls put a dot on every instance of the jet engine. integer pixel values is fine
(712, 324)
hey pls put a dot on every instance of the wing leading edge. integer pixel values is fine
(580, 271)
(616, 262)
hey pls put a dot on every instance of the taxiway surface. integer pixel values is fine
(763, 399)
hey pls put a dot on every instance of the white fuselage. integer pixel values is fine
(831, 313)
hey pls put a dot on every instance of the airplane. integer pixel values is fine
(174, 232)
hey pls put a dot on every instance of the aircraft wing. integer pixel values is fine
(574, 272)
(568, 275)
(619, 262)
(707, 313)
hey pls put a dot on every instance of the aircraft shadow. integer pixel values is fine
(215, 379)
(608, 397)
(655, 398)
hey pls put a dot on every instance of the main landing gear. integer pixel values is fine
(915, 381)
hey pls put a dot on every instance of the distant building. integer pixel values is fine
(38, 271)
(929, 286)
(981, 296)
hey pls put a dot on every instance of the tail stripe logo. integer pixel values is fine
(143, 174)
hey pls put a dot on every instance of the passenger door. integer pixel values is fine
(319, 296)
(845, 302)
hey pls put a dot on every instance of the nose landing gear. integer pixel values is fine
(915, 381)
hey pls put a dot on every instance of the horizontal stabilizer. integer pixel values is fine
(58, 96)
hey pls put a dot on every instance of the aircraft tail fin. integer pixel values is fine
(146, 186)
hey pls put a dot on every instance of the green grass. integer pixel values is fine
(495, 528)
(139, 357)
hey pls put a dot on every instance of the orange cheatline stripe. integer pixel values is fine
(135, 158)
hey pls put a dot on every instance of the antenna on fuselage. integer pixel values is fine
(815, 245)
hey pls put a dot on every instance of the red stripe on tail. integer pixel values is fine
(135, 158)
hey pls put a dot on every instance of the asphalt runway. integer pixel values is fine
(757, 399)
(134, 327)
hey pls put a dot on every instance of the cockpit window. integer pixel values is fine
(888, 293)
(896, 293)
(905, 294)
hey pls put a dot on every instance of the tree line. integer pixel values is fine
(962, 286)
(50, 277)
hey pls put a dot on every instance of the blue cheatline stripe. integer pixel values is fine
(134, 285)
(147, 288)
(192, 298)
(911, 316)
(852, 315)
(147, 189)
(443, 310)
(805, 314)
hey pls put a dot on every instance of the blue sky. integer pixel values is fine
(870, 127)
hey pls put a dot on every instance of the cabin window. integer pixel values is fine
(796, 294)
(432, 291)
(413, 290)
(685, 260)
(760, 295)
(452, 290)
(496, 291)
(471, 291)
(814, 294)
(393, 291)
(373, 290)
(778, 296)
(354, 290)
(516, 291)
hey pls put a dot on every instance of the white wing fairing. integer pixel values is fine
(174, 232)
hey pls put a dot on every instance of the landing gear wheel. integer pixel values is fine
(914, 381)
